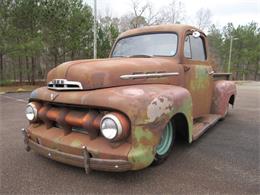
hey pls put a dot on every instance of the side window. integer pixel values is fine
(194, 48)
(197, 48)
(187, 49)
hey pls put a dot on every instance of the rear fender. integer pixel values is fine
(223, 91)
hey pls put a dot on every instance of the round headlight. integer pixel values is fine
(31, 112)
(110, 126)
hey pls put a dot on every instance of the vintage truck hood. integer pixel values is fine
(103, 73)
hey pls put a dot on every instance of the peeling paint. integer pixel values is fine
(133, 92)
(158, 107)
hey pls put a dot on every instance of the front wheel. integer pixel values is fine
(165, 146)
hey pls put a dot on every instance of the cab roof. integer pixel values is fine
(178, 28)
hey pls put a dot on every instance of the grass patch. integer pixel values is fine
(6, 82)
(21, 88)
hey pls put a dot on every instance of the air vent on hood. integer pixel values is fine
(63, 84)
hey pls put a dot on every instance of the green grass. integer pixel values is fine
(19, 88)
(6, 82)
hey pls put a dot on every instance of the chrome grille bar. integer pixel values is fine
(148, 75)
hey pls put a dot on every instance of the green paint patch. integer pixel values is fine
(141, 155)
(75, 143)
(140, 133)
(186, 109)
(201, 80)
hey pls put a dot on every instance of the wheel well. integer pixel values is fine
(181, 125)
(232, 100)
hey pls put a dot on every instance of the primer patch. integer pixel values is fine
(158, 107)
(133, 92)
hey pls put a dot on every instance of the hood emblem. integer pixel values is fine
(63, 85)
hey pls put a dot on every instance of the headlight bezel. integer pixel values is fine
(122, 124)
(35, 112)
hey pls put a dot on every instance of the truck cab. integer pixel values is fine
(123, 113)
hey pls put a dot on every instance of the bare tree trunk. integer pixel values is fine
(72, 55)
(1, 67)
(27, 69)
(244, 75)
(33, 71)
(237, 72)
(14, 72)
(256, 71)
(46, 70)
(20, 70)
(55, 60)
(64, 55)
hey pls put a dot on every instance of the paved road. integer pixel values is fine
(224, 160)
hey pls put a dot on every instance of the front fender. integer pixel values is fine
(159, 105)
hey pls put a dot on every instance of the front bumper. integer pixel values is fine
(85, 160)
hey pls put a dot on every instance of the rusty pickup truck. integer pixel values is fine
(124, 112)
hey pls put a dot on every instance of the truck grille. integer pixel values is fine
(63, 84)
(71, 119)
(73, 128)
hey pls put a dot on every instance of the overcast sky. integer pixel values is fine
(223, 11)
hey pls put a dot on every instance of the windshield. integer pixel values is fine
(158, 44)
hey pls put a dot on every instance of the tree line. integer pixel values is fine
(245, 58)
(37, 35)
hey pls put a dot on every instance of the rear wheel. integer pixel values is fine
(165, 146)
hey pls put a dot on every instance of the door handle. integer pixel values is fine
(186, 68)
(211, 72)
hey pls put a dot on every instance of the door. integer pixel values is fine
(198, 75)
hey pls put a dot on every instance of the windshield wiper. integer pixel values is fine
(140, 56)
(119, 56)
(161, 56)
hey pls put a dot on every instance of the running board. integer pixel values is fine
(203, 123)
